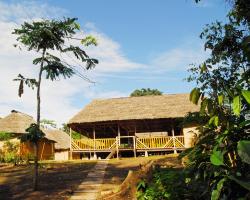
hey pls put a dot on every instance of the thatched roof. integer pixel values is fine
(61, 138)
(16, 122)
(135, 108)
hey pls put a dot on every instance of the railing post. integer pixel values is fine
(175, 152)
(70, 152)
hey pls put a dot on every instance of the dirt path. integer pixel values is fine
(89, 189)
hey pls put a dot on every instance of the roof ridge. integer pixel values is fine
(129, 97)
(16, 111)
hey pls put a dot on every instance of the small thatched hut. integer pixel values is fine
(139, 117)
(16, 123)
(62, 145)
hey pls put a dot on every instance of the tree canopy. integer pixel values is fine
(145, 92)
(218, 166)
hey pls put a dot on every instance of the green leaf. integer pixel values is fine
(244, 184)
(216, 121)
(236, 105)
(243, 148)
(89, 40)
(216, 192)
(203, 107)
(217, 158)
(195, 95)
(77, 26)
(246, 95)
(221, 99)
(203, 67)
(244, 123)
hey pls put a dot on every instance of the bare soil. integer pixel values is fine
(117, 172)
(56, 180)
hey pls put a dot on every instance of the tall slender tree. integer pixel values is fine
(49, 38)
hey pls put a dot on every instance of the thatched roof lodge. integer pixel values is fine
(140, 114)
(140, 124)
(17, 123)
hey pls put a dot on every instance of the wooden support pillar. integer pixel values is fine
(119, 135)
(173, 135)
(134, 144)
(118, 141)
(95, 157)
(117, 148)
(70, 152)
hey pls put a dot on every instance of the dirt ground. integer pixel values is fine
(117, 171)
(56, 180)
(59, 180)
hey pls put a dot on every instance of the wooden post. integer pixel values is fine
(118, 141)
(175, 152)
(117, 148)
(70, 133)
(95, 157)
(134, 143)
(119, 135)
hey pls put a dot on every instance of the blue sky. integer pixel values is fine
(142, 43)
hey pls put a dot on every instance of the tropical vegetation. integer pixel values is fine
(218, 166)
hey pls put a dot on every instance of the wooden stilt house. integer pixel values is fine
(133, 124)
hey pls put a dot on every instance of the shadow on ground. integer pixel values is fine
(56, 181)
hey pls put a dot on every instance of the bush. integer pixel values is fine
(168, 184)
(9, 152)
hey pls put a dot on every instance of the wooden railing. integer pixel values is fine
(167, 142)
(160, 142)
(90, 144)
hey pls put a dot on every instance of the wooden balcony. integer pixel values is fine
(123, 143)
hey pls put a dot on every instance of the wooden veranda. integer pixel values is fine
(136, 144)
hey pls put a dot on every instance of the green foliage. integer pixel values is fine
(220, 159)
(46, 123)
(217, 158)
(237, 105)
(243, 148)
(47, 37)
(216, 192)
(50, 38)
(89, 40)
(9, 152)
(169, 184)
(34, 134)
(5, 136)
(145, 92)
(195, 95)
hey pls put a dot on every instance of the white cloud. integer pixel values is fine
(28, 10)
(179, 59)
(57, 96)
(110, 54)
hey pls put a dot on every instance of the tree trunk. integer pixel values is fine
(35, 178)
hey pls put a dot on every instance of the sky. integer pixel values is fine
(141, 44)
